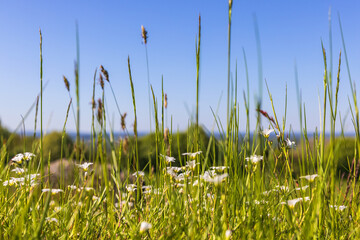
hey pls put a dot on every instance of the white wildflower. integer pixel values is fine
(338, 208)
(145, 226)
(85, 166)
(266, 132)
(28, 156)
(254, 159)
(191, 164)
(18, 158)
(302, 188)
(51, 220)
(217, 179)
(18, 170)
(219, 168)
(192, 155)
(290, 144)
(131, 188)
(72, 187)
(310, 178)
(168, 159)
(140, 174)
(228, 234)
(53, 191)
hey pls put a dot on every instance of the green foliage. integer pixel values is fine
(52, 145)
(344, 151)
(147, 148)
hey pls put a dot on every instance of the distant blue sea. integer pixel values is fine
(297, 135)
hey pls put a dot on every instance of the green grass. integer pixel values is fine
(232, 188)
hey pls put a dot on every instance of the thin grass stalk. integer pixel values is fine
(41, 113)
(77, 90)
(247, 104)
(62, 147)
(135, 126)
(93, 133)
(197, 86)
(228, 68)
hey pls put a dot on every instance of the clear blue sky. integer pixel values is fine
(110, 31)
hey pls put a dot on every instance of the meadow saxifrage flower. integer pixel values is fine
(266, 132)
(140, 174)
(168, 159)
(310, 178)
(219, 168)
(290, 144)
(228, 234)
(18, 170)
(338, 208)
(192, 155)
(145, 226)
(302, 188)
(53, 191)
(191, 164)
(217, 179)
(84, 166)
(291, 203)
(254, 159)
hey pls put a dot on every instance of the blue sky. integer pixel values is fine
(110, 31)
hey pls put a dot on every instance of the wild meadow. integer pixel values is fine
(265, 184)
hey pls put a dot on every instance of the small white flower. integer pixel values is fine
(140, 174)
(228, 234)
(267, 132)
(310, 178)
(18, 158)
(254, 159)
(290, 144)
(28, 156)
(302, 188)
(291, 203)
(145, 226)
(219, 168)
(217, 179)
(51, 220)
(88, 189)
(168, 159)
(192, 155)
(18, 170)
(338, 208)
(85, 166)
(72, 187)
(281, 188)
(53, 191)
(57, 209)
(9, 182)
(191, 164)
(131, 188)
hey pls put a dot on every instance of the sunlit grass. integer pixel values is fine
(268, 186)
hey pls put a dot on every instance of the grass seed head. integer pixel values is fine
(144, 34)
(123, 125)
(105, 73)
(67, 84)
